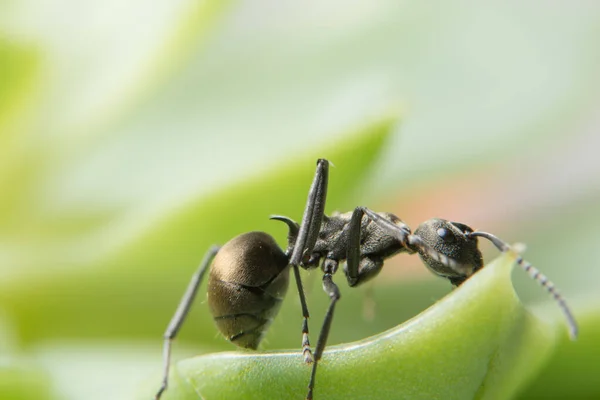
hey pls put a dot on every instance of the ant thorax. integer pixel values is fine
(375, 242)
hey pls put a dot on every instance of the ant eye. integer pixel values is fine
(446, 235)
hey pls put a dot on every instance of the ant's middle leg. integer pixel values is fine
(306, 239)
(313, 214)
(308, 356)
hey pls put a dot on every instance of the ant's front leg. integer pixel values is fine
(307, 237)
(359, 268)
(414, 243)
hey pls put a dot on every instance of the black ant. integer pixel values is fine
(250, 274)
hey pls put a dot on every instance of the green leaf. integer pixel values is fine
(127, 64)
(478, 342)
(135, 290)
(572, 373)
(53, 116)
(19, 70)
(18, 382)
(18, 67)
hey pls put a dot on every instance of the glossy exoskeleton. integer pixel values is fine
(250, 274)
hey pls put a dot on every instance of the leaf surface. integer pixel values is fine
(478, 342)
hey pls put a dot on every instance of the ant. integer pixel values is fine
(250, 274)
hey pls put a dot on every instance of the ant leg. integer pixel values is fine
(292, 237)
(539, 277)
(182, 311)
(353, 255)
(308, 356)
(313, 214)
(359, 270)
(307, 237)
(334, 294)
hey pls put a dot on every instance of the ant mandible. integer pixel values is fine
(250, 274)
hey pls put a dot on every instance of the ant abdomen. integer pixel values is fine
(248, 281)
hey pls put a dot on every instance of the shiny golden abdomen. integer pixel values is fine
(248, 280)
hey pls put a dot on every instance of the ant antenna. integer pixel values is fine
(538, 276)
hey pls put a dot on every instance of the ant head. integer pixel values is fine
(451, 239)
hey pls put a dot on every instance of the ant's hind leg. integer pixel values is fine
(182, 311)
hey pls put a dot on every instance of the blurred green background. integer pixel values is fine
(134, 135)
